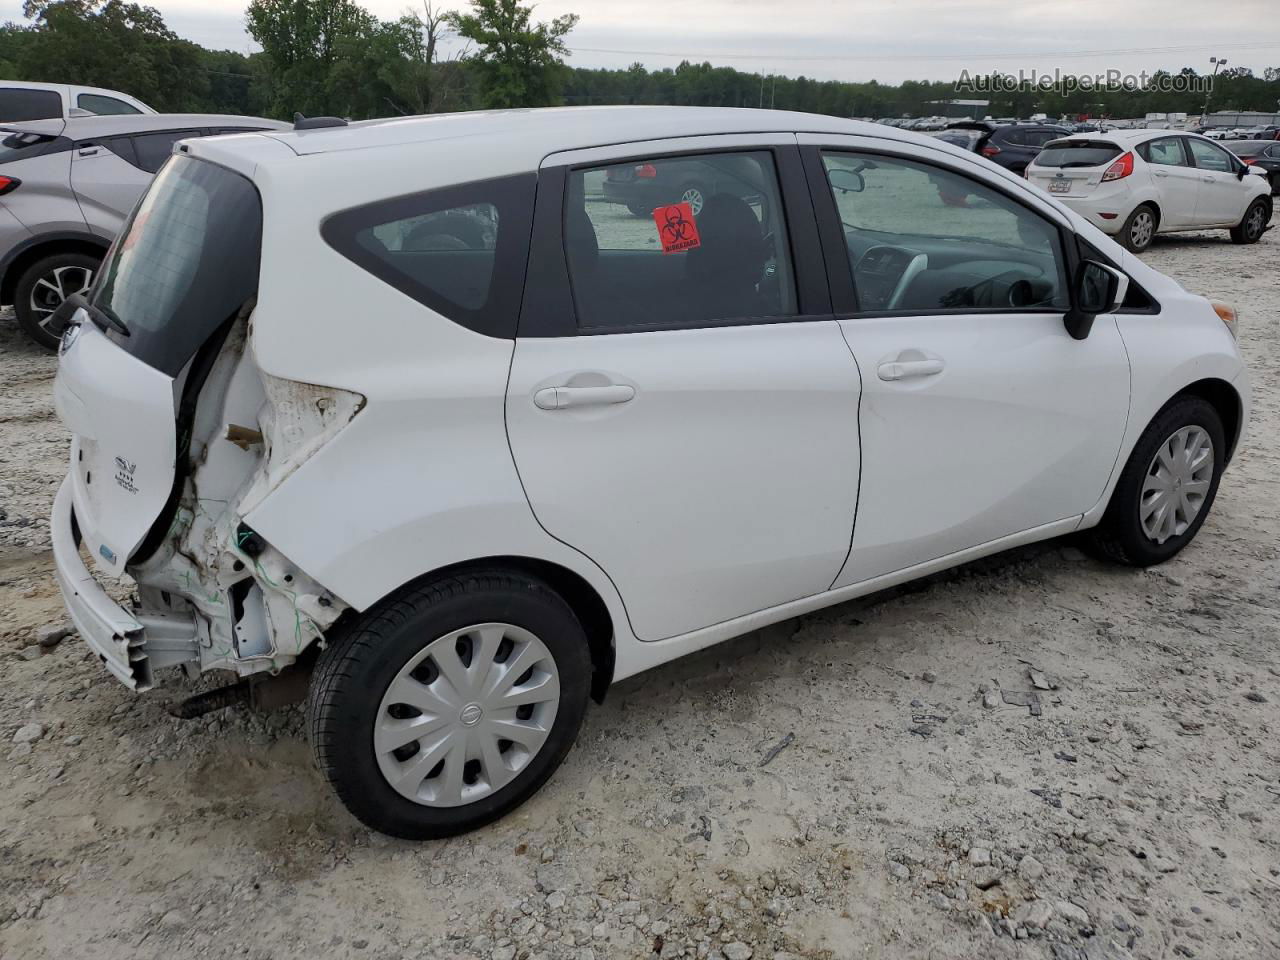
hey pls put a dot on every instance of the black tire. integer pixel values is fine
(1120, 536)
(639, 209)
(354, 672)
(1254, 224)
(1136, 239)
(28, 318)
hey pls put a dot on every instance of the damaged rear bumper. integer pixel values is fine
(130, 646)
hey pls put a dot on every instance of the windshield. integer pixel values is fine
(184, 263)
(1077, 153)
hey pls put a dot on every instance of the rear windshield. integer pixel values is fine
(1077, 153)
(185, 262)
(1246, 148)
(18, 103)
(961, 138)
(18, 145)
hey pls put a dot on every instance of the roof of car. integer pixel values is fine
(80, 127)
(555, 129)
(1131, 136)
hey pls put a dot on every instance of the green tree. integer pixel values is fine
(518, 62)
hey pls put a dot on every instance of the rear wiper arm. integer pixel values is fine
(57, 322)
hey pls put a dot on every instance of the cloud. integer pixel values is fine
(833, 39)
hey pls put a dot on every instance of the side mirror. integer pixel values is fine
(1098, 288)
(846, 181)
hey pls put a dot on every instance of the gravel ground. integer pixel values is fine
(912, 810)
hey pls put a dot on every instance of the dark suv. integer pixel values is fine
(1012, 145)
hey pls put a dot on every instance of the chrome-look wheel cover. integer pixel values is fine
(1142, 229)
(453, 728)
(54, 287)
(1176, 484)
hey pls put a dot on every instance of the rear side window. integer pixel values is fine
(1165, 152)
(460, 251)
(153, 149)
(185, 262)
(17, 103)
(1077, 153)
(678, 242)
(104, 106)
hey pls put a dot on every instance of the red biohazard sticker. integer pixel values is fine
(676, 228)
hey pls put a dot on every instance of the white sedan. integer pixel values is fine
(1137, 183)
(510, 443)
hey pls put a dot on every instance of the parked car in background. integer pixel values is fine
(492, 479)
(1217, 133)
(1011, 146)
(1270, 132)
(1259, 154)
(66, 187)
(1134, 184)
(21, 101)
(642, 187)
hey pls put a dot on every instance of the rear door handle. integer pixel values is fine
(906, 369)
(561, 398)
(1162, 173)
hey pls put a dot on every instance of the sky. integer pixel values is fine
(858, 41)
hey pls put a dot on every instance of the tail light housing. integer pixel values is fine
(990, 150)
(9, 184)
(646, 171)
(1248, 161)
(1120, 169)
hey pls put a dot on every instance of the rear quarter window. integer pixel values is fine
(460, 251)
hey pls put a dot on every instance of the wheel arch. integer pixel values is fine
(45, 246)
(1225, 400)
(583, 599)
(1155, 208)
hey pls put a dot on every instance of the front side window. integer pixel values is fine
(922, 239)
(104, 106)
(682, 241)
(460, 250)
(185, 262)
(1210, 156)
(1167, 152)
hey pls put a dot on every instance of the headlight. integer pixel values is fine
(1228, 315)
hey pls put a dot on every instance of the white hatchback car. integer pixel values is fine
(412, 406)
(1134, 184)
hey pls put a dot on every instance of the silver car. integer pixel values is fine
(66, 187)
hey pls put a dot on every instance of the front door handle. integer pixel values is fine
(906, 369)
(1207, 179)
(561, 398)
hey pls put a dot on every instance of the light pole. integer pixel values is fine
(1217, 62)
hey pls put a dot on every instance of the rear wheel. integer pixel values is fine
(1254, 224)
(1167, 487)
(43, 287)
(1139, 230)
(639, 209)
(449, 704)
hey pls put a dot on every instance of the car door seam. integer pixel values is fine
(857, 494)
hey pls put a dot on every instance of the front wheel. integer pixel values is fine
(450, 703)
(45, 285)
(1254, 224)
(1167, 487)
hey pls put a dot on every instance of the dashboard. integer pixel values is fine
(930, 273)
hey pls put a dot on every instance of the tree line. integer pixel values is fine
(333, 57)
